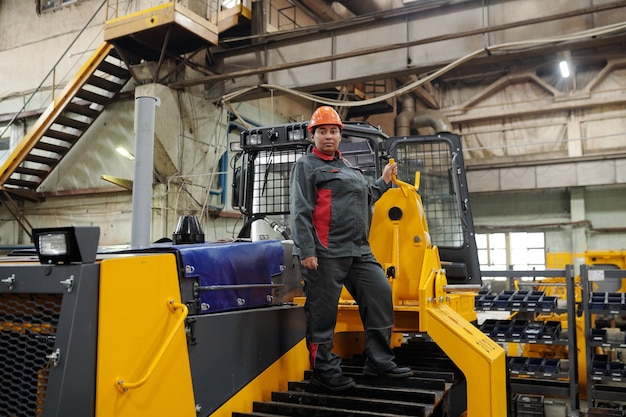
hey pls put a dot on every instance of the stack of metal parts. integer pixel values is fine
(603, 365)
(512, 299)
(529, 405)
(521, 330)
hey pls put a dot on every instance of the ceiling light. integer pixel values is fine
(564, 69)
(122, 151)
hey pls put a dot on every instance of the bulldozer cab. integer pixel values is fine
(261, 184)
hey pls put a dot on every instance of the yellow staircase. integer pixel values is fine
(147, 37)
(63, 123)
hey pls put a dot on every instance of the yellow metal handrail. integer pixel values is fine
(405, 186)
(173, 306)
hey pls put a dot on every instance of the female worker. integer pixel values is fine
(330, 204)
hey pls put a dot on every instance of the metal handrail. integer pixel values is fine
(404, 186)
(123, 386)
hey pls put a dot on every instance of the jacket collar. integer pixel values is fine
(325, 157)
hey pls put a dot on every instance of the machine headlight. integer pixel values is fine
(66, 244)
(294, 135)
(53, 244)
(254, 139)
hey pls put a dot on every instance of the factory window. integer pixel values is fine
(50, 5)
(514, 250)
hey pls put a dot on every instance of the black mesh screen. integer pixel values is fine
(439, 196)
(28, 324)
(270, 186)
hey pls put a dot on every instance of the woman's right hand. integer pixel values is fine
(310, 262)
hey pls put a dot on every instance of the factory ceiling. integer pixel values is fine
(362, 41)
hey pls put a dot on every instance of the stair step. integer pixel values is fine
(300, 410)
(44, 160)
(390, 393)
(49, 147)
(69, 122)
(22, 183)
(350, 401)
(31, 171)
(83, 110)
(55, 134)
(421, 372)
(115, 70)
(412, 382)
(103, 83)
(92, 97)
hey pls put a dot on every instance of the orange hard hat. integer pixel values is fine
(324, 115)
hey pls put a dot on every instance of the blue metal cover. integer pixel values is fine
(234, 275)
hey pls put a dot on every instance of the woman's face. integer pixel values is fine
(327, 138)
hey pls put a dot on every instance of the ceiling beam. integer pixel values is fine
(259, 52)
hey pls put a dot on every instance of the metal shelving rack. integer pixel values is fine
(538, 383)
(610, 386)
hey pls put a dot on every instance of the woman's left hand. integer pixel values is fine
(388, 171)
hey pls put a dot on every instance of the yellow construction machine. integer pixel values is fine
(187, 328)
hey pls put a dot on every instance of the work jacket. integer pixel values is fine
(330, 204)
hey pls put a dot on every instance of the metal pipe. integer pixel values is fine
(431, 118)
(360, 7)
(144, 162)
(405, 116)
(461, 288)
(236, 287)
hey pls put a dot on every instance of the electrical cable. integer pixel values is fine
(227, 98)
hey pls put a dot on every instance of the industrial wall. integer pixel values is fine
(581, 208)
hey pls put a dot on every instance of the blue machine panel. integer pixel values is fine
(234, 275)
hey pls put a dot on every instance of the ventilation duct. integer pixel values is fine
(409, 120)
(405, 116)
(322, 11)
(360, 7)
(431, 118)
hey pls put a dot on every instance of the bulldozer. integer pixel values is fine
(193, 328)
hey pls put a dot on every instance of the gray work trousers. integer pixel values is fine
(365, 280)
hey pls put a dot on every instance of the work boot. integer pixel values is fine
(337, 382)
(396, 372)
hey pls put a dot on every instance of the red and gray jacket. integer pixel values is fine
(330, 204)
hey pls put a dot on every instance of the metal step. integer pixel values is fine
(103, 83)
(51, 147)
(115, 70)
(64, 120)
(423, 394)
(300, 410)
(82, 109)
